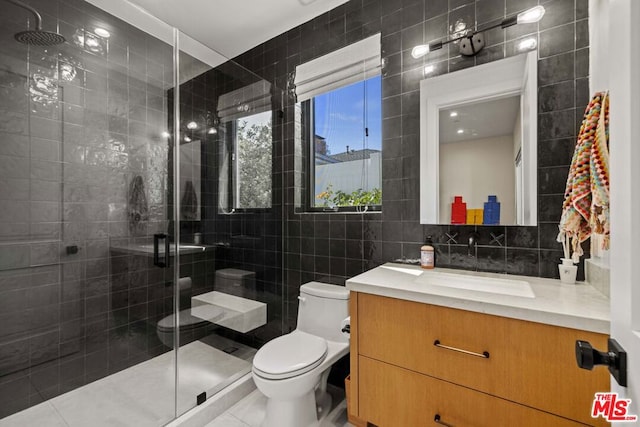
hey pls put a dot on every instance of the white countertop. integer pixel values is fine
(572, 306)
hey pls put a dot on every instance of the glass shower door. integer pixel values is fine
(83, 189)
(228, 223)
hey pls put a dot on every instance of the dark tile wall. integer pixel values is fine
(77, 122)
(333, 247)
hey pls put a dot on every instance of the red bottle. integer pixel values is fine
(458, 211)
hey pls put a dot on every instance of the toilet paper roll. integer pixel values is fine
(345, 322)
(184, 283)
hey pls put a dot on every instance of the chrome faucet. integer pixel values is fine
(473, 241)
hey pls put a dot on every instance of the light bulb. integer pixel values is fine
(527, 44)
(212, 131)
(420, 51)
(532, 15)
(192, 125)
(102, 32)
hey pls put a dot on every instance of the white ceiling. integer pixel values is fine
(484, 119)
(232, 27)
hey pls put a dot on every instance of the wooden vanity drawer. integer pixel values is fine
(403, 333)
(529, 363)
(395, 397)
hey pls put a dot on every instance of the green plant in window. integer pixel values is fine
(357, 198)
(254, 163)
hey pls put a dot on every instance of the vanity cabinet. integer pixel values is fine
(412, 361)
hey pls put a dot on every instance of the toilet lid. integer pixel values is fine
(187, 321)
(289, 355)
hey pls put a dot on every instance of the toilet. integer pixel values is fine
(292, 370)
(191, 328)
(236, 282)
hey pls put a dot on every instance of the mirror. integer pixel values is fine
(478, 138)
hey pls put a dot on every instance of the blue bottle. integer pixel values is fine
(491, 214)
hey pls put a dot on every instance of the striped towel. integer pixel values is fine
(586, 198)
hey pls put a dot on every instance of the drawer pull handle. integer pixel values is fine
(438, 420)
(484, 354)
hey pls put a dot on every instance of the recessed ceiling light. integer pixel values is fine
(460, 130)
(453, 114)
(102, 32)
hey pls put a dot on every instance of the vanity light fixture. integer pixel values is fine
(472, 41)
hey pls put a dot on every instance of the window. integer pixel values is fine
(252, 161)
(346, 146)
(245, 150)
(341, 108)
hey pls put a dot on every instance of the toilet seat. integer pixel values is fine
(289, 355)
(186, 322)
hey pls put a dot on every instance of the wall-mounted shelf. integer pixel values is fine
(230, 311)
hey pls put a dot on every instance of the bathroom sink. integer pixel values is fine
(511, 287)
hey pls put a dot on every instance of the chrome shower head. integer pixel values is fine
(37, 37)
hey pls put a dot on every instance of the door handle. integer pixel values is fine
(484, 354)
(615, 359)
(156, 250)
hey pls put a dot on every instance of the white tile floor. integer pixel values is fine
(250, 411)
(140, 396)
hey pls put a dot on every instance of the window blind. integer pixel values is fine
(356, 62)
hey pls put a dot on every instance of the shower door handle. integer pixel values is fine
(156, 250)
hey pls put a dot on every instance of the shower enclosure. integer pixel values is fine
(140, 228)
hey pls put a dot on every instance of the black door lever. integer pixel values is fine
(615, 358)
(156, 250)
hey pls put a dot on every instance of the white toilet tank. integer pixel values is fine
(321, 309)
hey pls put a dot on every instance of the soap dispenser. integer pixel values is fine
(428, 254)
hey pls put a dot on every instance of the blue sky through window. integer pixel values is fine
(340, 116)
